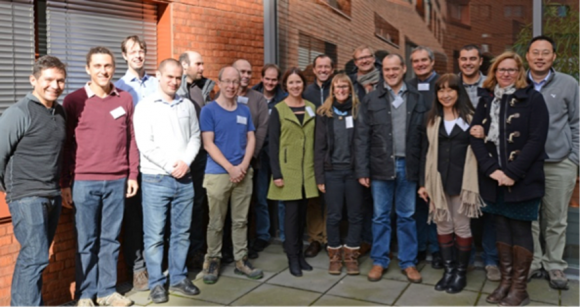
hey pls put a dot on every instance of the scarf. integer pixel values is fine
(471, 201)
(371, 77)
(493, 133)
(342, 107)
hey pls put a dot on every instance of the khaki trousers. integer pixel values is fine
(316, 221)
(221, 192)
(553, 216)
(459, 222)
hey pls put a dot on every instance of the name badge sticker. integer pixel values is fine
(462, 124)
(242, 99)
(269, 111)
(349, 122)
(423, 86)
(310, 112)
(118, 112)
(242, 120)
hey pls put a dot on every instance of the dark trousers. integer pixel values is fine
(341, 185)
(514, 232)
(133, 232)
(367, 223)
(426, 233)
(294, 223)
(197, 233)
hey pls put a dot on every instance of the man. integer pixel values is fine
(270, 87)
(561, 167)
(470, 61)
(317, 92)
(388, 146)
(423, 61)
(197, 89)
(102, 158)
(140, 85)
(228, 137)
(167, 134)
(368, 74)
(30, 181)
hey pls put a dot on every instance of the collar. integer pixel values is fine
(402, 90)
(176, 99)
(471, 84)
(132, 78)
(90, 92)
(429, 79)
(543, 81)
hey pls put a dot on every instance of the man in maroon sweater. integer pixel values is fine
(101, 163)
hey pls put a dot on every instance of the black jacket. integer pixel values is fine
(374, 157)
(324, 145)
(523, 128)
(315, 94)
(450, 157)
(429, 95)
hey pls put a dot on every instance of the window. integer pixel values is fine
(342, 6)
(386, 31)
(556, 10)
(420, 8)
(513, 11)
(310, 47)
(459, 11)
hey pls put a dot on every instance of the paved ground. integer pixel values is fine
(318, 288)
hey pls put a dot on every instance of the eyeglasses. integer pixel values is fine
(230, 82)
(508, 70)
(342, 87)
(363, 57)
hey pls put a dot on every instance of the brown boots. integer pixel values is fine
(350, 260)
(514, 264)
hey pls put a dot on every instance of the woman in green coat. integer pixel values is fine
(292, 163)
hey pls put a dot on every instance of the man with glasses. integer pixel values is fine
(368, 72)
(228, 136)
(560, 92)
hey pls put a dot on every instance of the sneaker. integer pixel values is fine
(492, 273)
(158, 295)
(211, 269)
(85, 302)
(244, 267)
(558, 280)
(114, 299)
(141, 281)
(185, 287)
(260, 245)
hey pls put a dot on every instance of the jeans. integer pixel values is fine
(402, 193)
(197, 233)
(99, 206)
(165, 197)
(426, 233)
(281, 218)
(341, 185)
(367, 223)
(489, 255)
(133, 232)
(262, 184)
(34, 220)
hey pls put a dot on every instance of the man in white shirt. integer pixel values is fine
(168, 138)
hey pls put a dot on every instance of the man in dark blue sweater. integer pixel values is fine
(33, 133)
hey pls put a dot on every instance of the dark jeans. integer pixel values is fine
(294, 223)
(34, 220)
(514, 232)
(487, 225)
(197, 234)
(133, 232)
(367, 223)
(341, 185)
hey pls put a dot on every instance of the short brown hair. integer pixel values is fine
(47, 62)
(136, 39)
(270, 65)
(291, 71)
(99, 50)
(491, 80)
(361, 48)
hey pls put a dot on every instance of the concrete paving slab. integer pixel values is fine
(226, 290)
(475, 278)
(183, 301)
(272, 295)
(425, 295)
(358, 287)
(274, 248)
(321, 260)
(540, 291)
(271, 262)
(489, 286)
(317, 280)
(229, 271)
(331, 300)
(140, 298)
(571, 296)
(482, 302)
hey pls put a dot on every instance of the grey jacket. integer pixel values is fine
(205, 86)
(561, 95)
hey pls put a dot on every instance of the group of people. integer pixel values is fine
(427, 157)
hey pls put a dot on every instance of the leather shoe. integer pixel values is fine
(185, 287)
(436, 261)
(158, 295)
(412, 274)
(376, 273)
(313, 249)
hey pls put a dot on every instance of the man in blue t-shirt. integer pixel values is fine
(228, 137)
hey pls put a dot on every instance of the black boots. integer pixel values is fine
(463, 253)
(446, 249)
(294, 266)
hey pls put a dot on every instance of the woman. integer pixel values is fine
(447, 168)
(291, 131)
(508, 135)
(333, 167)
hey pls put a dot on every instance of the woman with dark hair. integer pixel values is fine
(291, 131)
(333, 167)
(447, 181)
(508, 136)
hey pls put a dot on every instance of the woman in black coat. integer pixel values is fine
(508, 136)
